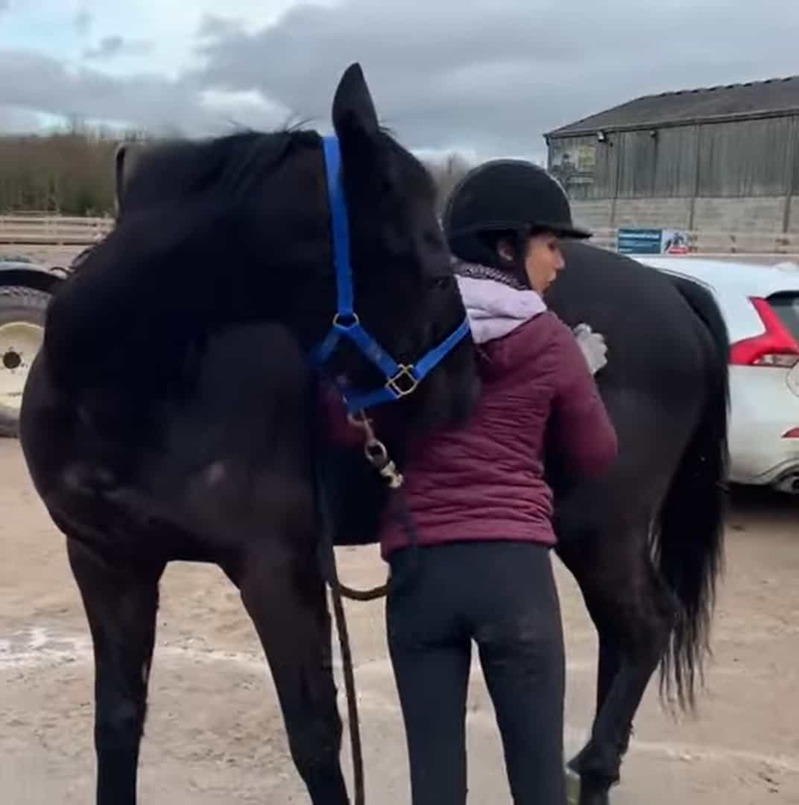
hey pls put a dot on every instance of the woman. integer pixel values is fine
(480, 569)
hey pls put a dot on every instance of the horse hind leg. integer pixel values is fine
(284, 594)
(121, 601)
(633, 614)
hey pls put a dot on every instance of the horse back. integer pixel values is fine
(659, 378)
(650, 328)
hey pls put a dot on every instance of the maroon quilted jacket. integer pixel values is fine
(485, 481)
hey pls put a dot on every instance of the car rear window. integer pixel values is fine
(786, 306)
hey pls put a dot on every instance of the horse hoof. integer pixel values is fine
(572, 786)
(578, 793)
(588, 797)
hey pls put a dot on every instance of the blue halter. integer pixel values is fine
(401, 379)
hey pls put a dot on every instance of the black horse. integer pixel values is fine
(170, 414)
(644, 542)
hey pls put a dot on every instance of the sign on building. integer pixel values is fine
(652, 241)
(573, 165)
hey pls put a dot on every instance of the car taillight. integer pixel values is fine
(776, 347)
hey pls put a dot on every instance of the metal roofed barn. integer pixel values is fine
(717, 159)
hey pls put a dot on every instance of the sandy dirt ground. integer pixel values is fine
(215, 735)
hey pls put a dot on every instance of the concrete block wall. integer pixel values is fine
(793, 221)
(760, 214)
(754, 214)
(653, 212)
(593, 214)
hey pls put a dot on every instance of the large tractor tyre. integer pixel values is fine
(22, 312)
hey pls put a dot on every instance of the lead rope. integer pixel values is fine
(377, 455)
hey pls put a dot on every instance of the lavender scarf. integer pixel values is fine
(496, 303)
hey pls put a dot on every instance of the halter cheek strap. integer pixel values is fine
(400, 379)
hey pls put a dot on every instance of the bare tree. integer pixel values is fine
(447, 173)
(71, 171)
(68, 172)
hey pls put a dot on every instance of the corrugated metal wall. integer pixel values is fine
(794, 151)
(745, 159)
(719, 160)
(662, 165)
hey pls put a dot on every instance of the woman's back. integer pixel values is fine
(485, 480)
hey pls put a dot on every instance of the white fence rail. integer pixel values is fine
(29, 230)
(34, 229)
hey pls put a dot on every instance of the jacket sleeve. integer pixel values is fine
(580, 430)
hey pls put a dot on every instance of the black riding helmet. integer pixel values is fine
(505, 195)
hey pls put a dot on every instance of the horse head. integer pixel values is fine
(268, 208)
(405, 294)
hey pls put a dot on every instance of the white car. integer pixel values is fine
(760, 305)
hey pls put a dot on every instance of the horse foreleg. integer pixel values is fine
(121, 603)
(284, 595)
(633, 616)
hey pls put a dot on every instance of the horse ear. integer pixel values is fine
(126, 159)
(353, 108)
(119, 173)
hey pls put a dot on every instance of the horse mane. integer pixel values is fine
(230, 166)
(179, 251)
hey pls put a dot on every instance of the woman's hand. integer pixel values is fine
(593, 347)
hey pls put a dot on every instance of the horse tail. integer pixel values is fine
(689, 543)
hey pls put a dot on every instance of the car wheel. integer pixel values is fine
(22, 312)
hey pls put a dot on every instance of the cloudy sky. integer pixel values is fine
(487, 78)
